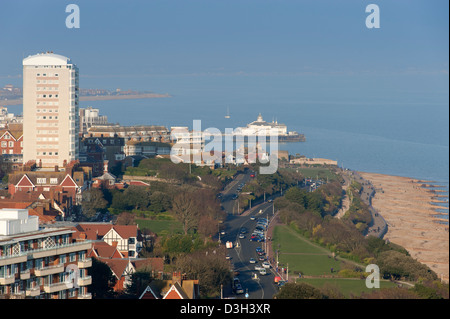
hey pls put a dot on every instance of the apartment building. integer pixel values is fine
(41, 263)
(50, 108)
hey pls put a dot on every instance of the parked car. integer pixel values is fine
(266, 264)
(259, 267)
(252, 261)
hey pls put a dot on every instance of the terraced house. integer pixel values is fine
(42, 263)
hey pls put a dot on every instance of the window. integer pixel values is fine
(72, 257)
(41, 180)
(54, 181)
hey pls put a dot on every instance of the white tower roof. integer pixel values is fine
(48, 58)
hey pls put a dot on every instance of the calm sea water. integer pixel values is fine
(383, 130)
(380, 125)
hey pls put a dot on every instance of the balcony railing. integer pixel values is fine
(85, 296)
(44, 252)
(85, 263)
(49, 270)
(7, 279)
(84, 281)
(59, 286)
(33, 292)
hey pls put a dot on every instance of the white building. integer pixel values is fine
(50, 108)
(41, 263)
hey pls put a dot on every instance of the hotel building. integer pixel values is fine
(43, 263)
(50, 108)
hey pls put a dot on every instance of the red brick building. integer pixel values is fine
(11, 140)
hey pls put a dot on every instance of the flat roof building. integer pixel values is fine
(41, 263)
(50, 108)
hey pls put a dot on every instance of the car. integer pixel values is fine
(228, 257)
(252, 261)
(252, 175)
(270, 200)
(266, 264)
(239, 289)
(263, 272)
(259, 267)
(261, 258)
(256, 238)
(252, 217)
(241, 236)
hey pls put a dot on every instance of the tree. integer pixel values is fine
(208, 266)
(299, 291)
(126, 218)
(138, 282)
(92, 201)
(103, 280)
(185, 210)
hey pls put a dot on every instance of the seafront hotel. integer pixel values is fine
(41, 263)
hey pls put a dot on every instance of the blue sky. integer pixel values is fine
(233, 37)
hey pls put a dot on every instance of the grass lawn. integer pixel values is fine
(314, 172)
(302, 255)
(160, 227)
(346, 286)
(314, 260)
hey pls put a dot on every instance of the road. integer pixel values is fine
(263, 287)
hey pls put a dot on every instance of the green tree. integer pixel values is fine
(299, 291)
(103, 280)
(92, 202)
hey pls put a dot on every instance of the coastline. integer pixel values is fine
(407, 205)
(99, 98)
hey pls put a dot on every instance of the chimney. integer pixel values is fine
(105, 166)
(176, 277)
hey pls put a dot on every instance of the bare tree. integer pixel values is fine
(185, 209)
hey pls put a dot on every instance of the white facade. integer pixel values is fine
(17, 221)
(50, 108)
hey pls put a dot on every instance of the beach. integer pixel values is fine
(407, 206)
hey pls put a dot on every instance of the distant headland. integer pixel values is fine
(10, 95)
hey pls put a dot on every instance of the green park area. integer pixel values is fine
(160, 227)
(315, 263)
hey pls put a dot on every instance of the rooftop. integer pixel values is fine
(47, 58)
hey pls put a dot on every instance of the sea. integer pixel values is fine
(380, 125)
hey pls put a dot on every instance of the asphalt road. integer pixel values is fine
(263, 287)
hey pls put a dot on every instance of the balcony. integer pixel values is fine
(50, 270)
(85, 263)
(85, 281)
(17, 295)
(33, 292)
(59, 286)
(85, 296)
(25, 274)
(8, 279)
(61, 249)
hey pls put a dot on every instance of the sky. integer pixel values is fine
(120, 39)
